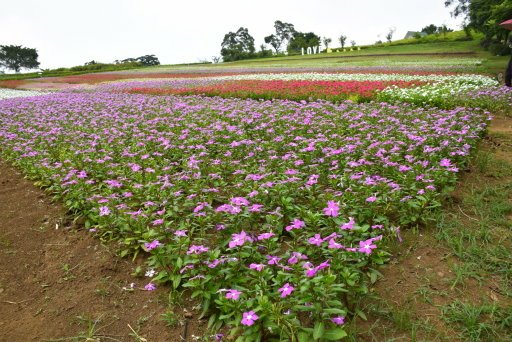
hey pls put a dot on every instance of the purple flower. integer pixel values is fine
(104, 211)
(180, 233)
(233, 294)
(286, 290)
(150, 287)
(339, 320)
(249, 318)
(371, 199)
(332, 209)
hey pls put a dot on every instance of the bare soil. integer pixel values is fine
(56, 280)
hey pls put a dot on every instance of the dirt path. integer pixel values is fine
(57, 282)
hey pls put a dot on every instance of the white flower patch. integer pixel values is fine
(6, 93)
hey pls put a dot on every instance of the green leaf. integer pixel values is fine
(334, 334)
(318, 330)
(304, 337)
(335, 311)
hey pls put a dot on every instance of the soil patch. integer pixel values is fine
(59, 282)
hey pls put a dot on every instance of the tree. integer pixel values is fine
(148, 60)
(216, 59)
(15, 57)
(284, 32)
(389, 36)
(327, 41)
(303, 40)
(237, 45)
(342, 40)
(274, 42)
(353, 43)
(483, 16)
(430, 29)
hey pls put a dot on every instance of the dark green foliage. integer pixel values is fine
(430, 29)
(301, 40)
(15, 57)
(237, 45)
(284, 32)
(485, 16)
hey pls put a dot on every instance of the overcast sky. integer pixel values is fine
(72, 32)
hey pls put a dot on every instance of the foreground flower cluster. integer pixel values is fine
(272, 214)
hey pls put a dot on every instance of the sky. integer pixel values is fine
(71, 32)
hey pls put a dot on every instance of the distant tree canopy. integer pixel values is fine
(301, 40)
(237, 45)
(433, 29)
(16, 57)
(146, 60)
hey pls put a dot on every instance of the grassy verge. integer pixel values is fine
(453, 281)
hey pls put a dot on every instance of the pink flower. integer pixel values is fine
(296, 224)
(445, 162)
(371, 199)
(316, 240)
(332, 209)
(249, 318)
(273, 260)
(339, 320)
(239, 201)
(157, 222)
(257, 267)
(349, 225)
(286, 290)
(197, 249)
(239, 239)
(233, 294)
(152, 245)
(366, 246)
(265, 236)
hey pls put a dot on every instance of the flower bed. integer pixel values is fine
(272, 213)
(292, 90)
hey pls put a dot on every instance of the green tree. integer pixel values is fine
(430, 29)
(327, 41)
(389, 35)
(483, 16)
(15, 57)
(284, 32)
(342, 40)
(237, 45)
(274, 42)
(148, 60)
(303, 40)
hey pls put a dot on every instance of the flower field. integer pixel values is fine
(273, 214)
